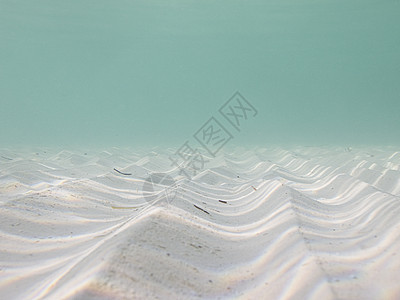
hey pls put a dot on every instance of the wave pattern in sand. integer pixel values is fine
(270, 223)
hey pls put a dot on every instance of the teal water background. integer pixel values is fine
(152, 72)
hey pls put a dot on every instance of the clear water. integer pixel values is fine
(152, 72)
(263, 223)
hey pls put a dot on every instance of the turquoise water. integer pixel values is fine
(152, 72)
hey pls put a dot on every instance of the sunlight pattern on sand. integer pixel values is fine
(296, 223)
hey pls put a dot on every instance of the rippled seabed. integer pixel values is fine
(315, 223)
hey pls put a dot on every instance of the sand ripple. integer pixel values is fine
(269, 223)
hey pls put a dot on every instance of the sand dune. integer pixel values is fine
(267, 223)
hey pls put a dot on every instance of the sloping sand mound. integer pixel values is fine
(298, 223)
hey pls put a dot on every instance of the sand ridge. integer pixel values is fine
(271, 223)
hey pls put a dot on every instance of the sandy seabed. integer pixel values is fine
(266, 223)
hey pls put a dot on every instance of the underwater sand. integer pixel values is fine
(267, 223)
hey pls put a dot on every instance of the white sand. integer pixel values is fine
(320, 223)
